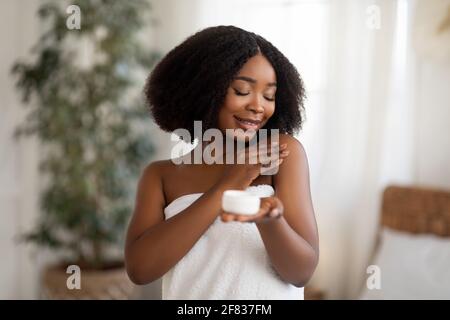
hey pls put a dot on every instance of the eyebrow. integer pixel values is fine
(251, 80)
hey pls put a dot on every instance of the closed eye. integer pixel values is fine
(239, 93)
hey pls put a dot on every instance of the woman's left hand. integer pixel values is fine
(270, 208)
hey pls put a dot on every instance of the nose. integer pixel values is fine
(256, 105)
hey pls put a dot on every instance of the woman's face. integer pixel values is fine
(250, 99)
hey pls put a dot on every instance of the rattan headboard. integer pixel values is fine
(416, 210)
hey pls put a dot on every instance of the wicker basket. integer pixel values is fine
(109, 284)
(416, 210)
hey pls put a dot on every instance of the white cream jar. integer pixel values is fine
(240, 202)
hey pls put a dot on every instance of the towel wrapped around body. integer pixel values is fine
(228, 262)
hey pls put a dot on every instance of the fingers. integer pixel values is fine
(227, 217)
(265, 148)
(277, 204)
(271, 207)
(253, 218)
(270, 148)
(267, 154)
(274, 151)
(284, 152)
(271, 168)
(274, 213)
(263, 211)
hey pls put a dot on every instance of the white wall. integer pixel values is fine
(18, 162)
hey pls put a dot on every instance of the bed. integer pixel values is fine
(412, 251)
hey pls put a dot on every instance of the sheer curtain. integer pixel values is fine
(368, 129)
(382, 123)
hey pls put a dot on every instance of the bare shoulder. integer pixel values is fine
(164, 175)
(157, 169)
(295, 166)
(150, 200)
(294, 146)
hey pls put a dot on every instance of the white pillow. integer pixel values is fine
(411, 267)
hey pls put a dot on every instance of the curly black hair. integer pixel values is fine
(190, 83)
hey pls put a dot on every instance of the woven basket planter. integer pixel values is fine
(108, 284)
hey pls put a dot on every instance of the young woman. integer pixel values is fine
(227, 78)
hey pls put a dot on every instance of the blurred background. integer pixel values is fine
(377, 135)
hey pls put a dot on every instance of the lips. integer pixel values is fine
(248, 123)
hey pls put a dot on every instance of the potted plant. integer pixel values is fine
(85, 110)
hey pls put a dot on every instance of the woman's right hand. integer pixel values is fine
(240, 176)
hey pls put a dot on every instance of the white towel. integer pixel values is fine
(228, 262)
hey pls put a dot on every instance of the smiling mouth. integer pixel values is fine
(248, 122)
